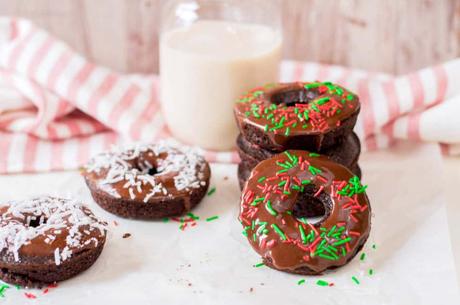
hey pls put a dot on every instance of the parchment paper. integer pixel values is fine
(212, 263)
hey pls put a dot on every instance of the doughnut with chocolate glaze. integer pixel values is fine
(148, 181)
(346, 152)
(47, 239)
(287, 189)
(310, 116)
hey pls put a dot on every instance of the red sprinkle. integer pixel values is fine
(30, 295)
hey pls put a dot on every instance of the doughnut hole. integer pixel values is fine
(36, 221)
(310, 208)
(292, 97)
(145, 167)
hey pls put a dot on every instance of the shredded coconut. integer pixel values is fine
(55, 215)
(185, 162)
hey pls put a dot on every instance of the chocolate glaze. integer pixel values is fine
(147, 176)
(294, 254)
(327, 121)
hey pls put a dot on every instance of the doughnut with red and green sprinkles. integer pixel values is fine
(304, 213)
(311, 116)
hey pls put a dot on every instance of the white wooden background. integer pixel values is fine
(393, 36)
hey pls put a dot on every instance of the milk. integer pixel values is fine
(204, 68)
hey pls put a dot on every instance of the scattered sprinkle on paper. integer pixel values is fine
(212, 218)
(300, 282)
(30, 295)
(3, 287)
(212, 191)
(126, 235)
(355, 280)
(259, 265)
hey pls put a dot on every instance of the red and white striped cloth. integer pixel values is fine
(57, 109)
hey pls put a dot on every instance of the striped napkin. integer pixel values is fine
(57, 109)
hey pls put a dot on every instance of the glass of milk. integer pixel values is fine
(212, 52)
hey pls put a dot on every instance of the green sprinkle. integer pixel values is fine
(3, 287)
(259, 265)
(355, 280)
(312, 85)
(313, 155)
(313, 170)
(283, 165)
(257, 93)
(341, 242)
(300, 282)
(371, 271)
(349, 97)
(363, 256)
(270, 209)
(329, 257)
(322, 100)
(302, 234)
(212, 191)
(374, 246)
(261, 179)
(303, 220)
(331, 231)
(266, 128)
(279, 231)
(193, 216)
(166, 219)
(322, 283)
(289, 155)
(212, 218)
(306, 181)
(287, 132)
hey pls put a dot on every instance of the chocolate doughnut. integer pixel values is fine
(310, 116)
(148, 181)
(346, 152)
(47, 239)
(281, 196)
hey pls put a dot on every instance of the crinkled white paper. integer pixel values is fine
(212, 263)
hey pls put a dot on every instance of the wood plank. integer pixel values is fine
(394, 36)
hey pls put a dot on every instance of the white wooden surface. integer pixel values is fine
(393, 36)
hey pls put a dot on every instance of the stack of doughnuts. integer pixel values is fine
(318, 117)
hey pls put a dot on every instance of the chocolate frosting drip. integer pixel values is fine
(274, 192)
(288, 110)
